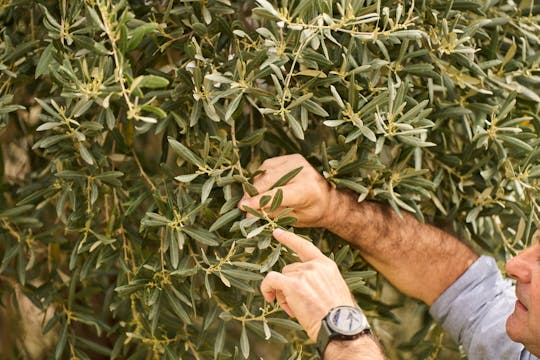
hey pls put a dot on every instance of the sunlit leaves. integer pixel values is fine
(143, 126)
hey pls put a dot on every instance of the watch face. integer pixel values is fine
(347, 320)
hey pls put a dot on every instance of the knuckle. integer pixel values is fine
(298, 284)
(329, 263)
(272, 275)
(266, 163)
(298, 157)
(286, 269)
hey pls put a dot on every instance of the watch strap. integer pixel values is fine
(323, 338)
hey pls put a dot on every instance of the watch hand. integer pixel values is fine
(336, 316)
(352, 319)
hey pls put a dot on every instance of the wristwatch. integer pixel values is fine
(341, 323)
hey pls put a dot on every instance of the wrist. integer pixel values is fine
(340, 203)
(343, 204)
(363, 347)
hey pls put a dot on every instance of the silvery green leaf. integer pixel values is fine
(402, 204)
(473, 214)
(50, 141)
(299, 100)
(149, 81)
(295, 127)
(109, 175)
(201, 235)
(81, 107)
(207, 188)
(271, 259)
(276, 201)
(264, 242)
(513, 141)
(157, 217)
(70, 174)
(218, 78)
(337, 97)
(268, 7)
(177, 308)
(411, 114)
(95, 18)
(267, 332)
(286, 323)
(207, 16)
(284, 180)
(246, 265)
(315, 108)
(225, 219)
(173, 248)
(277, 86)
(265, 199)
(49, 126)
(256, 231)
(355, 186)
(243, 274)
(224, 280)
(186, 178)
(86, 155)
(244, 341)
(233, 106)
(220, 340)
(185, 153)
(414, 141)
(334, 123)
(45, 61)
(368, 133)
(15, 211)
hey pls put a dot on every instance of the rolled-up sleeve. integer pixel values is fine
(474, 309)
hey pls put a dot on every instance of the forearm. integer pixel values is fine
(363, 348)
(419, 259)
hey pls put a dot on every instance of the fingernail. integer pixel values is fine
(278, 231)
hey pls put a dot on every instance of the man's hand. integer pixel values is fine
(308, 193)
(419, 259)
(308, 289)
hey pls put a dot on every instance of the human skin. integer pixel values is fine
(308, 289)
(523, 325)
(419, 259)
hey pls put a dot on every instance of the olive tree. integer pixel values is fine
(136, 126)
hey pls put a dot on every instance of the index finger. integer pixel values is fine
(305, 250)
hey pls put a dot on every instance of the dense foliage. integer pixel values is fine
(136, 126)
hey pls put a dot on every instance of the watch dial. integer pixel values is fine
(347, 320)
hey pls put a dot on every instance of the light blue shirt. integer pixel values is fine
(474, 309)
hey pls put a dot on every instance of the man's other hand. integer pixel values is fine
(307, 289)
(309, 195)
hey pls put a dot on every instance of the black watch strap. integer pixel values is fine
(323, 338)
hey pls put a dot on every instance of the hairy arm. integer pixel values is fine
(419, 259)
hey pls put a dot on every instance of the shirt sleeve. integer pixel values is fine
(474, 309)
